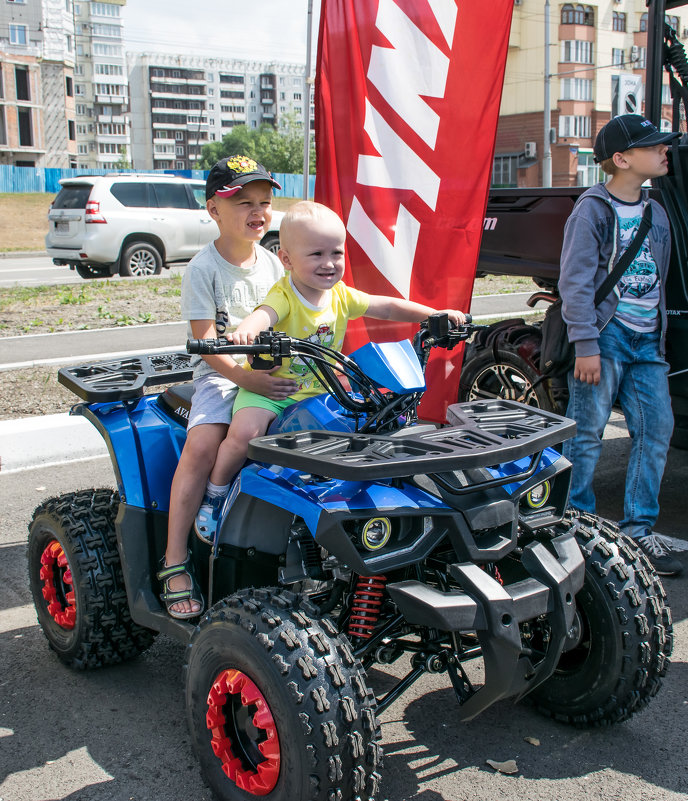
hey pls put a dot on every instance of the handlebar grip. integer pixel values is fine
(469, 318)
(216, 346)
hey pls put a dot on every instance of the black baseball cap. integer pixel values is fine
(627, 131)
(228, 176)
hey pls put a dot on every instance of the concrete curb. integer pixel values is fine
(22, 254)
(49, 440)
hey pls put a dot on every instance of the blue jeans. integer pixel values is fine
(634, 372)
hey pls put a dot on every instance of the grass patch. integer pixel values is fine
(23, 220)
(96, 304)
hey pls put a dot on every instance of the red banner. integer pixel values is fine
(407, 101)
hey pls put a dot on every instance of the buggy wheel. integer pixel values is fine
(76, 581)
(621, 641)
(277, 705)
(503, 371)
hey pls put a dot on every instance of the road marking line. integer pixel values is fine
(88, 357)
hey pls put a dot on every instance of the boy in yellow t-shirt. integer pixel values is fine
(310, 302)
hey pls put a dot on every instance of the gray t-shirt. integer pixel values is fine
(214, 289)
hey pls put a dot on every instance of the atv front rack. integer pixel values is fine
(124, 379)
(483, 434)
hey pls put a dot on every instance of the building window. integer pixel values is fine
(25, 127)
(574, 126)
(666, 95)
(104, 10)
(69, 86)
(577, 51)
(505, 170)
(672, 22)
(22, 83)
(71, 132)
(587, 172)
(638, 57)
(3, 128)
(18, 35)
(17, 1)
(618, 56)
(643, 22)
(576, 89)
(577, 14)
(618, 21)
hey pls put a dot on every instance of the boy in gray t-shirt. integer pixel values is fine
(222, 284)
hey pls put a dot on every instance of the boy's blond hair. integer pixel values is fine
(305, 210)
(607, 166)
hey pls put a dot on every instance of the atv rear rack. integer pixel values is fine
(483, 434)
(125, 379)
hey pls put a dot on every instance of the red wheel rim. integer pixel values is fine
(58, 585)
(244, 733)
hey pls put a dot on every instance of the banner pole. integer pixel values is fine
(308, 81)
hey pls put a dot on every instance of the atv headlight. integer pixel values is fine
(538, 496)
(376, 533)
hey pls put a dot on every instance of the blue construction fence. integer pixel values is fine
(47, 179)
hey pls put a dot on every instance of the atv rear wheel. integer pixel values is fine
(277, 705)
(77, 584)
(621, 640)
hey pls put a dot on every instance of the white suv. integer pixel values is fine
(132, 224)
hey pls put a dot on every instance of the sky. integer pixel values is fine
(244, 29)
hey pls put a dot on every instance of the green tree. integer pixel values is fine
(278, 149)
(123, 162)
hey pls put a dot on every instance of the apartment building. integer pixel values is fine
(181, 102)
(101, 85)
(597, 70)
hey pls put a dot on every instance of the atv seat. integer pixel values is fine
(176, 401)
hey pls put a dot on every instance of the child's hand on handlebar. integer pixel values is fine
(242, 338)
(457, 318)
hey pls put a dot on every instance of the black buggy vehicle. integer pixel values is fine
(355, 537)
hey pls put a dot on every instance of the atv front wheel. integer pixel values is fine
(77, 584)
(277, 705)
(621, 640)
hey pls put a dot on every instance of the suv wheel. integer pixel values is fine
(271, 242)
(89, 271)
(140, 259)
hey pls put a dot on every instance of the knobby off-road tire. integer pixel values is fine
(277, 705)
(626, 637)
(77, 584)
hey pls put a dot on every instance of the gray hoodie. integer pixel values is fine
(590, 250)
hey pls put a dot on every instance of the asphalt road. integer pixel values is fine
(39, 270)
(119, 734)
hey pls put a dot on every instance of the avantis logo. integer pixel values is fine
(396, 73)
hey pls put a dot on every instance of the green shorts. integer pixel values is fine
(253, 400)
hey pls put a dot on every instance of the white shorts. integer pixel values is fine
(212, 401)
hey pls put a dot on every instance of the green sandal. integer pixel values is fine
(170, 597)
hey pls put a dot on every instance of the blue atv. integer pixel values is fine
(355, 536)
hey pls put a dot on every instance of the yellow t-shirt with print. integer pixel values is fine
(325, 324)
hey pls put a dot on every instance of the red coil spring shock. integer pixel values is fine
(366, 606)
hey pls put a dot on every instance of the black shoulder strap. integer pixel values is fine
(627, 256)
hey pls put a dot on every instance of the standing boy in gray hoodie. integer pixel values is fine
(619, 345)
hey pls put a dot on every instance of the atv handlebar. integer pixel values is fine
(382, 409)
